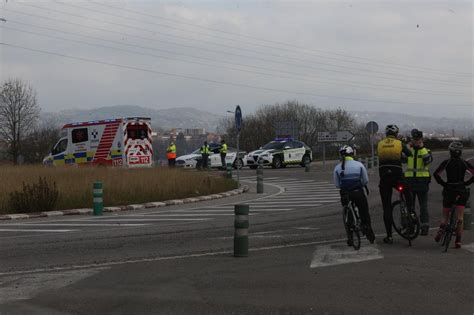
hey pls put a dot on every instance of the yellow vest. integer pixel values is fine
(389, 149)
(415, 165)
(223, 148)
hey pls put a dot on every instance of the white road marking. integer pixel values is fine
(35, 230)
(330, 255)
(134, 261)
(74, 224)
(469, 247)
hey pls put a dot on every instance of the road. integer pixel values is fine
(179, 259)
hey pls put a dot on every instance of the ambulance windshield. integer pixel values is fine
(137, 133)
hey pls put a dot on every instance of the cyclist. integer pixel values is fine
(351, 177)
(454, 188)
(392, 153)
(418, 178)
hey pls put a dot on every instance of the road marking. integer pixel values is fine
(304, 197)
(295, 202)
(469, 247)
(35, 230)
(165, 258)
(74, 224)
(331, 255)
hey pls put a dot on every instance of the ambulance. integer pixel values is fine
(113, 142)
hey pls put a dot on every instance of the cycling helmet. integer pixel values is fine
(391, 130)
(455, 149)
(416, 134)
(346, 150)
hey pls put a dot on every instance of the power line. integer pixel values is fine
(222, 82)
(413, 78)
(374, 62)
(371, 86)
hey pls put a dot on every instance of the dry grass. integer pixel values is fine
(121, 186)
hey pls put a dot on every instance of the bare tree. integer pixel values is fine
(40, 141)
(18, 114)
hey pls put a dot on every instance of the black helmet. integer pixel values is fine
(416, 134)
(391, 130)
(455, 148)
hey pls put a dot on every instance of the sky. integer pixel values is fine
(412, 57)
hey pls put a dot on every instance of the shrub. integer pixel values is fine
(40, 196)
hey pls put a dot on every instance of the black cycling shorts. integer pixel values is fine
(449, 197)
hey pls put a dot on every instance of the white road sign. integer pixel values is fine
(335, 136)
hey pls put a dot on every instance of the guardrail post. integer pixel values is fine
(241, 235)
(98, 200)
(260, 177)
(229, 170)
(468, 214)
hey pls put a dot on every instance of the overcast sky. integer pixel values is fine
(405, 56)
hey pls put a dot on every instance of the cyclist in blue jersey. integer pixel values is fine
(351, 178)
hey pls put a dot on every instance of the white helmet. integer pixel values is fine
(346, 150)
(391, 130)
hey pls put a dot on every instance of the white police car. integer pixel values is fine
(280, 153)
(193, 160)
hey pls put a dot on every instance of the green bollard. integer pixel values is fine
(98, 198)
(229, 170)
(376, 161)
(307, 166)
(241, 235)
(468, 215)
(260, 177)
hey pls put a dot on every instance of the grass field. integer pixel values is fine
(121, 186)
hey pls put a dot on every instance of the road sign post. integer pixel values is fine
(372, 127)
(238, 127)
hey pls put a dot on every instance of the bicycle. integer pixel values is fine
(352, 224)
(450, 228)
(405, 221)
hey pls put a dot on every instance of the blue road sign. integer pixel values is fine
(238, 118)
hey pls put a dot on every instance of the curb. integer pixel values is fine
(22, 216)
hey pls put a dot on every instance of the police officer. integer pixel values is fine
(223, 152)
(418, 176)
(392, 153)
(171, 154)
(205, 150)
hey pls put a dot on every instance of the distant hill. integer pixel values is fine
(180, 117)
(462, 126)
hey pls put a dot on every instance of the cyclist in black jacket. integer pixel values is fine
(454, 188)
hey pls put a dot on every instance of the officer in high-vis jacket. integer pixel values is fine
(418, 177)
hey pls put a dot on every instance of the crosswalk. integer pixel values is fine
(293, 194)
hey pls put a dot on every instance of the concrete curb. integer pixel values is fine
(22, 216)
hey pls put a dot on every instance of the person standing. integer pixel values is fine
(171, 154)
(392, 153)
(205, 150)
(223, 152)
(418, 177)
(351, 178)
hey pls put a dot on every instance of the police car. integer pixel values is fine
(280, 153)
(193, 160)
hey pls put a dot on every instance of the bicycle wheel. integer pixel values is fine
(347, 224)
(356, 238)
(406, 224)
(448, 234)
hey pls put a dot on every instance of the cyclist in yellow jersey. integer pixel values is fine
(392, 153)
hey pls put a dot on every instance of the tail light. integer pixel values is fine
(400, 188)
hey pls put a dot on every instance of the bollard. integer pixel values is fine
(241, 235)
(369, 162)
(229, 170)
(376, 161)
(307, 166)
(468, 215)
(260, 177)
(98, 200)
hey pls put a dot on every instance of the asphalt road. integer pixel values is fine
(179, 259)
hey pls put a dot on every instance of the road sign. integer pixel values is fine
(288, 128)
(372, 127)
(335, 136)
(238, 118)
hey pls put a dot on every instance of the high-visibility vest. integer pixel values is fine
(223, 148)
(205, 149)
(415, 165)
(171, 152)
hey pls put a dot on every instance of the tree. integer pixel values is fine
(40, 141)
(18, 114)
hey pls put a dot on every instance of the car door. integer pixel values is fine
(298, 151)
